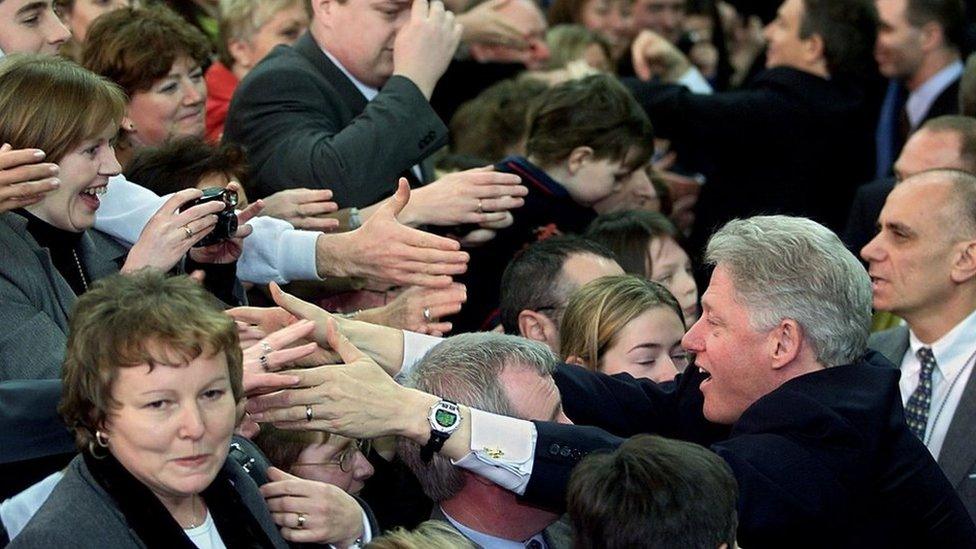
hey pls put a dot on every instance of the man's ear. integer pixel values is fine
(964, 266)
(537, 326)
(578, 158)
(813, 48)
(242, 53)
(933, 36)
(785, 342)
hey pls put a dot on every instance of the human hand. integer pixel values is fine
(309, 511)
(170, 233)
(419, 309)
(303, 208)
(384, 250)
(482, 24)
(653, 55)
(229, 251)
(24, 179)
(425, 46)
(278, 349)
(479, 195)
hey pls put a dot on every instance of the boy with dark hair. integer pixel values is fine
(653, 492)
(584, 139)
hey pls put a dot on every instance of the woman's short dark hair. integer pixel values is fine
(135, 47)
(628, 235)
(182, 163)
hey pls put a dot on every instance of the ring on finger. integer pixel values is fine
(188, 231)
(266, 347)
(301, 520)
(480, 209)
(308, 412)
(427, 314)
(265, 363)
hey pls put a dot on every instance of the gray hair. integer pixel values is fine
(791, 267)
(465, 368)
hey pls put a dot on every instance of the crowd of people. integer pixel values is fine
(500, 274)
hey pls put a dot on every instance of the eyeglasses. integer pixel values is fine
(344, 460)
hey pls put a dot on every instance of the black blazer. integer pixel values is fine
(824, 460)
(305, 124)
(790, 143)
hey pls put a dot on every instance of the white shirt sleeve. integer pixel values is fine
(274, 251)
(694, 81)
(415, 346)
(502, 450)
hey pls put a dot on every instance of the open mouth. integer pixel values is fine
(90, 195)
(708, 377)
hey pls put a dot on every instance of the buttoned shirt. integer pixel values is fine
(487, 541)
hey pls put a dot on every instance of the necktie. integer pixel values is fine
(917, 407)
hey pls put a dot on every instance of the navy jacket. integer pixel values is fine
(824, 460)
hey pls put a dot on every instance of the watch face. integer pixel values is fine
(445, 418)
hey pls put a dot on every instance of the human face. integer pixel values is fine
(171, 107)
(84, 173)
(31, 26)
(648, 346)
(785, 48)
(910, 259)
(526, 18)
(665, 17)
(360, 34)
(285, 27)
(619, 28)
(730, 351)
(173, 426)
(595, 179)
(322, 461)
(636, 192)
(83, 12)
(898, 50)
(670, 266)
(928, 150)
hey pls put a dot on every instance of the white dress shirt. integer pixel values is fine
(369, 93)
(920, 101)
(486, 541)
(954, 354)
(274, 251)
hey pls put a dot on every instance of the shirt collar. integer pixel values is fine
(920, 100)
(952, 350)
(368, 92)
(487, 541)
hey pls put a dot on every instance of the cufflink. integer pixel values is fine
(493, 453)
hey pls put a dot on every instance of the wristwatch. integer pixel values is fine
(444, 418)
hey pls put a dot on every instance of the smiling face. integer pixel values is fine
(171, 107)
(730, 350)
(325, 461)
(648, 346)
(360, 34)
(84, 173)
(31, 26)
(83, 12)
(173, 426)
(670, 266)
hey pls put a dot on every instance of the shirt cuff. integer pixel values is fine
(694, 81)
(276, 251)
(502, 450)
(415, 346)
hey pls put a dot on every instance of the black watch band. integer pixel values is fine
(434, 445)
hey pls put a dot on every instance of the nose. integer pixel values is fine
(540, 50)
(193, 94)
(692, 340)
(110, 164)
(643, 186)
(872, 251)
(686, 285)
(362, 469)
(191, 422)
(57, 33)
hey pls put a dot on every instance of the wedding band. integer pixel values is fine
(265, 363)
(308, 412)
(427, 314)
(266, 348)
(189, 231)
(301, 520)
(479, 207)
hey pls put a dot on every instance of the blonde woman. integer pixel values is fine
(625, 323)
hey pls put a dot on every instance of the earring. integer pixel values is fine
(101, 438)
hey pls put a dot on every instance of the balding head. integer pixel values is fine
(946, 142)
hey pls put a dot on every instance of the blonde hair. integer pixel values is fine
(432, 534)
(52, 104)
(599, 310)
(241, 19)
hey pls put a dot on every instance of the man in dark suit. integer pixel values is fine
(347, 107)
(943, 142)
(918, 50)
(811, 425)
(923, 268)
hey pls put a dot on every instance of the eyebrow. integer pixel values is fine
(645, 346)
(895, 226)
(32, 6)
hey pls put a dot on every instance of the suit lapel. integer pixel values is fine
(350, 94)
(958, 454)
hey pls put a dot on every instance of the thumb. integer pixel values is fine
(347, 351)
(402, 195)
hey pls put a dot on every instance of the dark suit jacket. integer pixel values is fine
(825, 460)
(305, 124)
(946, 103)
(958, 455)
(35, 300)
(558, 535)
(790, 143)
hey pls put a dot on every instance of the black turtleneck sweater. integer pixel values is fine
(64, 249)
